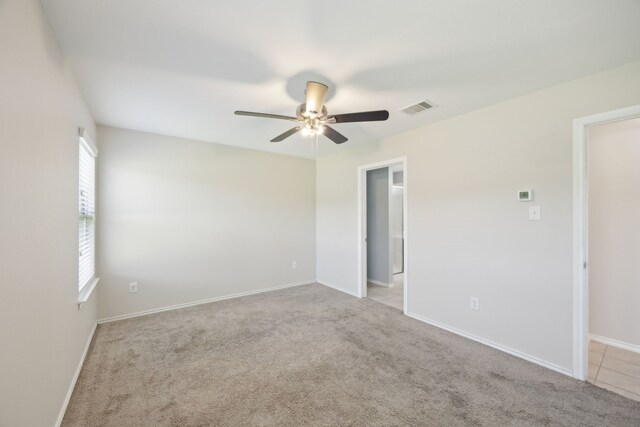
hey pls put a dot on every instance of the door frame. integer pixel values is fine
(580, 233)
(362, 224)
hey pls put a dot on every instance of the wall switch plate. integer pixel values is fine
(133, 286)
(294, 265)
(534, 213)
(474, 303)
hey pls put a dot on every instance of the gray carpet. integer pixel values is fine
(314, 356)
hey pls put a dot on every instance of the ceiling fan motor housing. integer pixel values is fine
(316, 93)
(302, 113)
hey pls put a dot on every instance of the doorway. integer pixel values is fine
(612, 363)
(613, 248)
(382, 203)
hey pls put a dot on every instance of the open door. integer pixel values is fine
(396, 219)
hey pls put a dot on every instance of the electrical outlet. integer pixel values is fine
(294, 265)
(133, 286)
(474, 303)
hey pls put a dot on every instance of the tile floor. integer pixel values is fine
(615, 369)
(393, 296)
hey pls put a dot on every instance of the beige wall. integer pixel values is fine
(192, 220)
(467, 233)
(42, 332)
(614, 230)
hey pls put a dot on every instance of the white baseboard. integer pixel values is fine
(204, 301)
(500, 347)
(338, 288)
(615, 343)
(72, 386)
(379, 283)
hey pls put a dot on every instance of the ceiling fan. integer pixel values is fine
(312, 117)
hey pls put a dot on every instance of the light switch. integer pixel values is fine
(534, 213)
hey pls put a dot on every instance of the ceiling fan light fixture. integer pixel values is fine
(312, 118)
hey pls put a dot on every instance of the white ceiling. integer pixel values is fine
(182, 67)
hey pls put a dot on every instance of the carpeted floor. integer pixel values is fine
(311, 355)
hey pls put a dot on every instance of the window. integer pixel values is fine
(86, 214)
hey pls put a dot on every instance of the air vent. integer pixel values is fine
(417, 108)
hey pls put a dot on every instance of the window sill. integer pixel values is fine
(86, 292)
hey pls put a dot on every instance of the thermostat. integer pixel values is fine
(525, 195)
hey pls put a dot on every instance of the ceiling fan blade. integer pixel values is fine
(264, 115)
(366, 116)
(285, 135)
(316, 94)
(334, 135)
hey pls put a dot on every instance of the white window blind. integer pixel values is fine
(87, 209)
